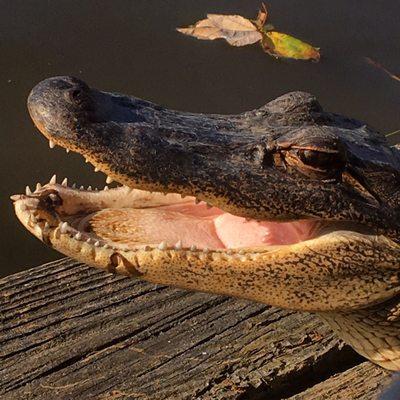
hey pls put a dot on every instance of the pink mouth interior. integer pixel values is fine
(195, 224)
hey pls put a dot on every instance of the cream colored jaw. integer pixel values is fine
(274, 275)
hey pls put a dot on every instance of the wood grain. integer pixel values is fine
(69, 331)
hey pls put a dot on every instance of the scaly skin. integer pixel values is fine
(288, 160)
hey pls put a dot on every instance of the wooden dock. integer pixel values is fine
(68, 331)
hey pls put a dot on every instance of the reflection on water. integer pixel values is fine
(131, 46)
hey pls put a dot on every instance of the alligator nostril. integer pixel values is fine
(74, 95)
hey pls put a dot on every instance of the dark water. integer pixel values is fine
(131, 46)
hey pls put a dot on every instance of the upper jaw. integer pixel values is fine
(228, 161)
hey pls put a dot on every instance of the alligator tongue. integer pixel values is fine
(192, 224)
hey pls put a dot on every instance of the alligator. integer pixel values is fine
(288, 204)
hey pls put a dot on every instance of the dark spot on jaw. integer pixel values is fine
(118, 260)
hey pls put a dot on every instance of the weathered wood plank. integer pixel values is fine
(70, 331)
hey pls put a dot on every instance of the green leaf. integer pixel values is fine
(282, 45)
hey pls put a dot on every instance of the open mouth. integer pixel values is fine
(129, 219)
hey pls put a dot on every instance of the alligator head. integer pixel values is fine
(286, 204)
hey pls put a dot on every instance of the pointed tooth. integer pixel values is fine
(97, 243)
(106, 246)
(178, 245)
(193, 248)
(51, 144)
(96, 169)
(15, 197)
(73, 186)
(96, 189)
(162, 245)
(87, 161)
(46, 225)
(67, 150)
(205, 250)
(64, 227)
(78, 236)
(88, 241)
(82, 187)
(28, 191)
(89, 188)
(53, 180)
(106, 187)
(64, 182)
(38, 186)
(109, 180)
(241, 252)
(33, 219)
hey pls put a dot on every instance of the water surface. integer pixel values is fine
(131, 46)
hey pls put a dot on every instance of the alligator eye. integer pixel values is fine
(316, 163)
(317, 159)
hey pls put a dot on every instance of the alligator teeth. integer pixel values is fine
(38, 186)
(51, 144)
(205, 250)
(96, 169)
(89, 188)
(88, 241)
(193, 248)
(67, 150)
(64, 182)
(33, 219)
(73, 186)
(162, 245)
(106, 188)
(53, 180)
(87, 161)
(97, 243)
(64, 227)
(46, 225)
(178, 245)
(106, 246)
(78, 236)
(81, 187)
(109, 180)
(28, 191)
(241, 252)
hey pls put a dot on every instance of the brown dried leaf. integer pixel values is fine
(235, 29)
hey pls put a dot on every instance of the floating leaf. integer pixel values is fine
(239, 31)
(283, 45)
(236, 30)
